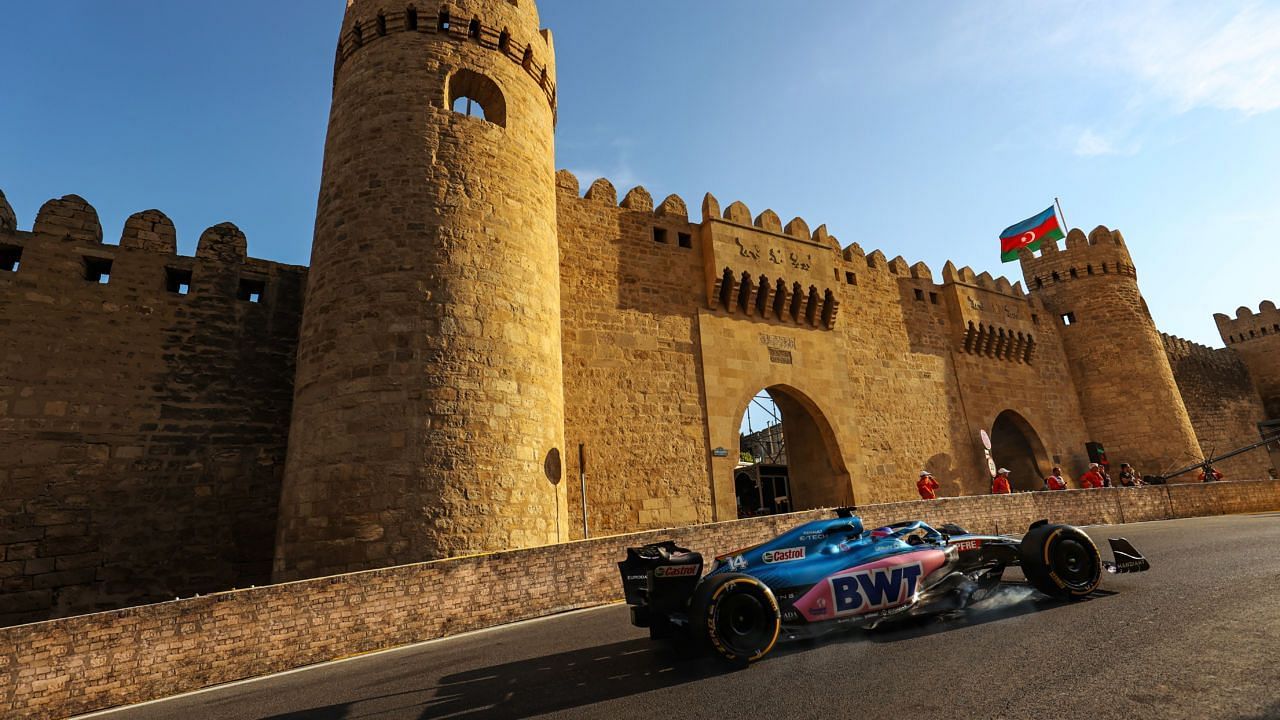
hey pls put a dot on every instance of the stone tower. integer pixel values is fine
(1128, 395)
(428, 415)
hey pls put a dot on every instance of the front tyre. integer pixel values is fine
(1061, 561)
(737, 616)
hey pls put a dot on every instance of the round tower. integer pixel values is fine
(428, 410)
(1130, 401)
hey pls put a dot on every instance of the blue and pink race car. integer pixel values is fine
(832, 573)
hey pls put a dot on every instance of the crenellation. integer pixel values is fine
(770, 222)
(1247, 325)
(69, 217)
(638, 199)
(674, 207)
(738, 213)
(710, 208)
(920, 271)
(150, 230)
(8, 219)
(799, 229)
(602, 191)
(567, 182)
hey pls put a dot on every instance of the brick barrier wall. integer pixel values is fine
(80, 664)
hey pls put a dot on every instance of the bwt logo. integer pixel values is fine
(875, 589)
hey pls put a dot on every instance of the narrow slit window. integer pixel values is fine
(933, 298)
(686, 240)
(659, 235)
(444, 21)
(1069, 318)
(97, 270)
(177, 280)
(10, 258)
(252, 290)
(382, 24)
(919, 295)
(411, 19)
(473, 30)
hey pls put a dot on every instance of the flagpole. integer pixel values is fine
(1064, 215)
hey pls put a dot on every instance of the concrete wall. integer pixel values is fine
(142, 431)
(81, 664)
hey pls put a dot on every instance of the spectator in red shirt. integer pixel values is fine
(1055, 481)
(927, 486)
(1093, 478)
(1000, 485)
(1210, 474)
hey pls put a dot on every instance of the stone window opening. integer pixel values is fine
(919, 295)
(1039, 283)
(1089, 268)
(527, 60)
(97, 270)
(685, 240)
(252, 290)
(357, 34)
(1069, 318)
(660, 235)
(475, 95)
(177, 280)
(850, 278)
(504, 41)
(411, 19)
(1074, 274)
(933, 298)
(382, 24)
(442, 23)
(1056, 277)
(10, 258)
(1035, 319)
(474, 29)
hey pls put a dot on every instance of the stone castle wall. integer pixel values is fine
(1218, 392)
(78, 665)
(142, 429)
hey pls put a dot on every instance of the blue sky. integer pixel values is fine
(918, 128)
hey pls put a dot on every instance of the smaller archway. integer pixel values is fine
(474, 95)
(1015, 445)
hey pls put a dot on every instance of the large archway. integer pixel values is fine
(1016, 445)
(789, 459)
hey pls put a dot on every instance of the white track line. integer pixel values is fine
(327, 663)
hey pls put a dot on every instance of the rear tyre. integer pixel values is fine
(736, 616)
(1061, 561)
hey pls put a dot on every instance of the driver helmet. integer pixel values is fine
(1002, 471)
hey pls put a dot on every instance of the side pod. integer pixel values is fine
(1128, 559)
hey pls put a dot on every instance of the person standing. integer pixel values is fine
(927, 486)
(1091, 479)
(1000, 484)
(1055, 481)
(1210, 474)
(1128, 476)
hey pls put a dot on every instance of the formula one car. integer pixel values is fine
(831, 573)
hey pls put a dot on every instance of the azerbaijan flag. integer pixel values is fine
(1028, 234)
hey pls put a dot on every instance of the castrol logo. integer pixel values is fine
(784, 555)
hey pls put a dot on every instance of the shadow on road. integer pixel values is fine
(587, 676)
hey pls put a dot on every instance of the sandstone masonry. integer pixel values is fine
(479, 338)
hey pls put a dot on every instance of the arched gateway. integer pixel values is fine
(1016, 445)
(792, 465)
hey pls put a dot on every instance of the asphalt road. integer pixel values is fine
(1196, 637)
